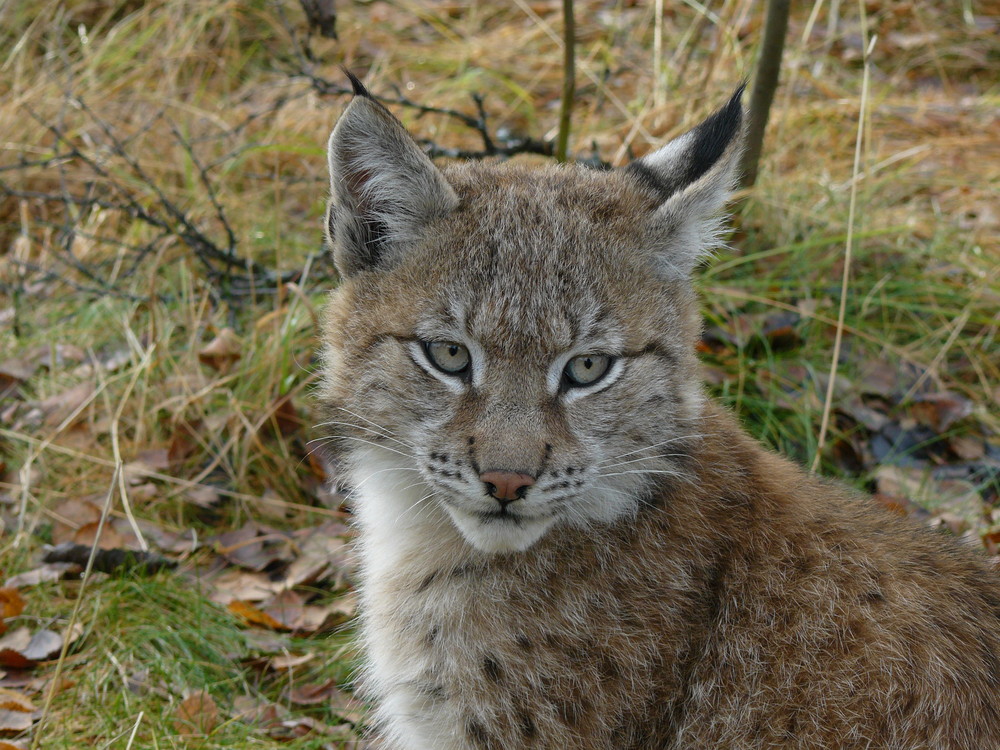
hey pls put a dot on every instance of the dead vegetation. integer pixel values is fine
(162, 181)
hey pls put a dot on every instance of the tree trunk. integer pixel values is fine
(764, 85)
(569, 80)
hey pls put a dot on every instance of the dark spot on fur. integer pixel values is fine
(432, 690)
(522, 640)
(569, 471)
(874, 597)
(528, 728)
(432, 634)
(491, 669)
(477, 733)
(428, 580)
(471, 441)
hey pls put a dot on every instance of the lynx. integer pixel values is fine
(564, 544)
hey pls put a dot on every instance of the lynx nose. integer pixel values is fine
(506, 486)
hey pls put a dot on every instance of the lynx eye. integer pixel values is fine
(586, 369)
(449, 357)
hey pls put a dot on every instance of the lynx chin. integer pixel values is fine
(564, 544)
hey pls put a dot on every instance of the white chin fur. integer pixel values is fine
(499, 535)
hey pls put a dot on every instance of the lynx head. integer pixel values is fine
(511, 348)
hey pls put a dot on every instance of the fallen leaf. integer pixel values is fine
(57, 408)
(284, 419)
(43, 574)
(316, 693)
(56, 356)
(254, 616)
(289, 661)
(322, 554)
(940, 411)
(204, 496)
(197, 715)
(243, 585)
(11, 603)
(14, 722)
(253, 547)
(12, 700)
(86, 535)
(252, 710)
(44, 644)
(967, 447)
(287, 608)
(156, 461)
(222, 352)
(72, 515)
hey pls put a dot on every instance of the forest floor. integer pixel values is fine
(162, 187)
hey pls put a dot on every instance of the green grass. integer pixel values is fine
(925, 261)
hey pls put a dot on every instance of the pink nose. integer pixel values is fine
(506, 485)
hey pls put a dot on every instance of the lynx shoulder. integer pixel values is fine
(564, 544)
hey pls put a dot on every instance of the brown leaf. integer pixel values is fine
(322, 555)
(252, 710)
(967, 447)
(58, 407)
(45, 644)
(311, 695)
(254, 548)
(87, 535)
(43, 574)
(879, 378)
(236, 584)
(204, 496)
(13, 373)
(197, 715)
(284, 419)
(939, 411)
(155, 461)
(287, 608)
(72, 515)
(222, 352)
(59, 355)
(12, 700)
(290, 661)
(11, 603)
(253, 615)
(14, 722)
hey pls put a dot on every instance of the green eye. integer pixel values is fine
(449, 357)
(586, 369)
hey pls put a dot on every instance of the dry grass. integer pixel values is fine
(195, 85)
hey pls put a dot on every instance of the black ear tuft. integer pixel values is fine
(713, 136)
(359, 88)
(687, 158)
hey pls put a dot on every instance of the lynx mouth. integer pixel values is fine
(501, 516)
(500, 530)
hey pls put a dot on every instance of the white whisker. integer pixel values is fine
(692, 436)
(644, 458)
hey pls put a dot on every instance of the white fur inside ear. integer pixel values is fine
(385, 189)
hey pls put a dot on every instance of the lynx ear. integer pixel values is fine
(693, 175)
(384, 189)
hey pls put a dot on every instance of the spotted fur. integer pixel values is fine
(666, 582)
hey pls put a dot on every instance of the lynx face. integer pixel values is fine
(511, 349)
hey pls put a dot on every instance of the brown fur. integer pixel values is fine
(719, 598)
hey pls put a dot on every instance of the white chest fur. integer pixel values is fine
(406, 539)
